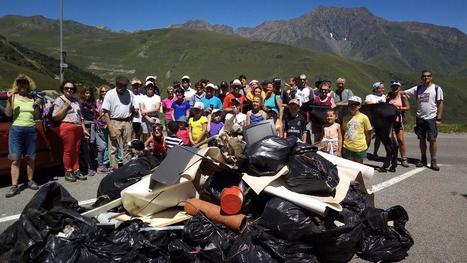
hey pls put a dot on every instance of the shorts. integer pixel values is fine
(137, 127)
(347, 154)
(22, 142)
(426, 129)
(398, 126)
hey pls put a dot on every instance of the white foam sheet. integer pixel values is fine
(367, 171)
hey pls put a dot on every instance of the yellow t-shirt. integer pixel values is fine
(354, 131)
(23, 112)
(197, 127)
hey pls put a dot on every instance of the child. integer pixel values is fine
(156, 142)
(197, 125)
(295, 124)
(332, 140)
(272, 115)
(171, 139)
(182, 132)
(256, 114)
(215, 123)
(180, 107)
(357, 129)
(237, 118)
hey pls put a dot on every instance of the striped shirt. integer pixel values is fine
(172, 141)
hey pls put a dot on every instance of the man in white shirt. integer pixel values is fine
(304, 92)
(118, 107)
(430, 106)
(378, 94)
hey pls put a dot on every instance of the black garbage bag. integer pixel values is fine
(336, 237)
(356, 200)
(310, 173)
(47, 213)
(382, 242)
(259, 244)
(212, 239)
(129, 174)
(268, 156)
(290, 222)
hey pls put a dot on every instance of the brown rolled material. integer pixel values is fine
(213, 212)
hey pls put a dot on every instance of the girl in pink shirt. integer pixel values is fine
(167, 104)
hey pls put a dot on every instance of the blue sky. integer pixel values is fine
(131, 15)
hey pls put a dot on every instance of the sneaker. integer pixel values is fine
(434, 166)
(91, 173)
(80, 176)
(102, 169)
(33, 185)
(404, 162)
(69, 176)
(421, 163)
(14, 190)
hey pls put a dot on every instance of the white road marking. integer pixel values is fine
(15, 217)
(395, 180)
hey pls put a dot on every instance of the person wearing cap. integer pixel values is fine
(22, 135)
(357, 129)
(211, 101)
(199, 94)
(180, 107)
(215, 122)
(401, 102)
(137, 117)
(167, 104)
(153, 79)
(429, 98)
(198, 124)
(295, 124)
(234, 94)
(304, 92)
(189, 92)
(150, 106)
(378, 95)
(118, 106)
(183, 133)
(342, 94)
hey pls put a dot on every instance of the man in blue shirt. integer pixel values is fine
(210, 101)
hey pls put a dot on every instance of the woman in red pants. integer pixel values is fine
(67, 111)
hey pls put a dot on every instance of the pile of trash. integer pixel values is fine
(277, 200)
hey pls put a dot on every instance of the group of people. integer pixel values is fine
(95, 132)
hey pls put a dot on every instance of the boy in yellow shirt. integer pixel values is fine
(357, 129)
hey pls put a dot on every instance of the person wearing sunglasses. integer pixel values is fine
(429, 98)
(22, 135)
(156, 142)
(67, 111)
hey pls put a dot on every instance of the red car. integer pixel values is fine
(49, 148)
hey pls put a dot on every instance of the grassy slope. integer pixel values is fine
(171, 53)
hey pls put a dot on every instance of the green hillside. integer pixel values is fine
(171, 53)
(15, 59)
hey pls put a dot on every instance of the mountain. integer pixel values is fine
(357, 34)
(199, 24)
(15, 59)
(174, 52)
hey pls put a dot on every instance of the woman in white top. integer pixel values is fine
(378, 94)
(150, 105)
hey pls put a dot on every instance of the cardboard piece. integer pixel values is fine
(167, 217)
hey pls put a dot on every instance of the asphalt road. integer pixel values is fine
(436, 201)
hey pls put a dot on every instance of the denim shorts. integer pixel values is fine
(426, 129)
(22, 142)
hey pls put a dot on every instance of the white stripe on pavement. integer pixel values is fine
(14, 217)
(395, 180)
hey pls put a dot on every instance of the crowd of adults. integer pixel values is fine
(95, 132)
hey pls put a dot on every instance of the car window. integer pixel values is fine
(3, 117)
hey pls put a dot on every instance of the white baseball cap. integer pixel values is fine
(151, 77)
(356, 99)
(236, 82)
(376, 85)
(135, 81)
(210, 85)
(149, 83)
(198, 105)
(186, 77)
